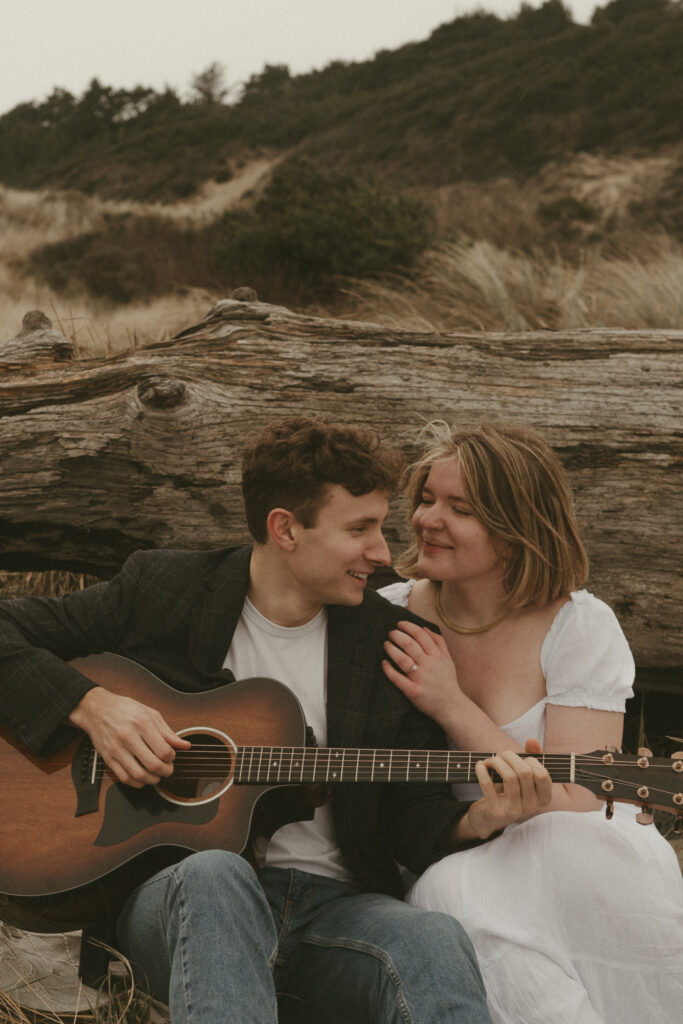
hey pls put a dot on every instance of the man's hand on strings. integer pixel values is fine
(134, 740)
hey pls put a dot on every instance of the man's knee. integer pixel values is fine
(218, 877)
(426, 930)
(444, 930)
(443, 969)
(215, 869)
(217, 894)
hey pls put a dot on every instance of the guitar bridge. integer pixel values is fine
(87, 778)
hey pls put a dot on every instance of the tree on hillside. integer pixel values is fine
(97, 110)
(619, 10)
(272, 81)
(208, 87)
(551, 17)
(57, 109)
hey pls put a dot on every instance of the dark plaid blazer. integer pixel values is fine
(175, 612)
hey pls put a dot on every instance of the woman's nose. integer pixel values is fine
(430, 518)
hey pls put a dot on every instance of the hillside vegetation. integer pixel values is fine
(502, 173)
(480, 98)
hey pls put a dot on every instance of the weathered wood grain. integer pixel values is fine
(100, 457)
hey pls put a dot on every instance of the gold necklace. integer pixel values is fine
(465, 630)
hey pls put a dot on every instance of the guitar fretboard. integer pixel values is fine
(268, 765)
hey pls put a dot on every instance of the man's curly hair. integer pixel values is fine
(292, 462)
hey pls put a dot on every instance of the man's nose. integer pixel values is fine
(379, 553)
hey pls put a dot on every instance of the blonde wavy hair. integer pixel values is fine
(517, 487)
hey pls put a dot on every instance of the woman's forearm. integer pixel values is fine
(470, 728)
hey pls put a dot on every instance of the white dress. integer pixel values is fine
(575, 919)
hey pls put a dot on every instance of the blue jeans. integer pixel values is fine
(219, 944)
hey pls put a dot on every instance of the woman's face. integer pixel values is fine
(453, 544)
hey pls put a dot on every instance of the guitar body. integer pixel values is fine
(65, 822)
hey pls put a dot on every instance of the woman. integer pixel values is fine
(574, 918)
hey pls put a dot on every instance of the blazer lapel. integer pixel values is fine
(351, 667)
(215, 619)
(363, 707)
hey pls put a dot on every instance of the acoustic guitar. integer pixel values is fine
(71, 832)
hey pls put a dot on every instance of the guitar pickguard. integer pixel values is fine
(128, 811)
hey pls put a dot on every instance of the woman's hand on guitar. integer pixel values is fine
(525, 789)
(134, 740)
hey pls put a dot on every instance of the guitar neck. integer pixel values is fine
(268, 765)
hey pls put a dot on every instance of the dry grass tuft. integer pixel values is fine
(475, 285)
(53, 583)
(97, 329)
(123, 1007)
(119, 1001)
(29, 220)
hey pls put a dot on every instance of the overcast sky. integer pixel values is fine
(66, 43)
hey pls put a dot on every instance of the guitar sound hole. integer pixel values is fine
(201, 772)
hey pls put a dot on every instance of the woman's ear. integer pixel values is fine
(283, 527)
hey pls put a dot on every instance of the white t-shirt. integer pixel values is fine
(297, 657)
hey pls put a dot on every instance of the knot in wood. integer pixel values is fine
(244, 294)
(161, 392)
(34, 320)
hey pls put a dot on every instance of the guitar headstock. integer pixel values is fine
(641, 779)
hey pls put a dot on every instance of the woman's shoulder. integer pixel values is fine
(398, 593)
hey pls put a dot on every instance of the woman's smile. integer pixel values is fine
(433, 547)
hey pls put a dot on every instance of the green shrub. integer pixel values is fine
(313, 225)
(222, 174)
(132, 259)
(566, 209)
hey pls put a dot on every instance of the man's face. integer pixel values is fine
(333, 559)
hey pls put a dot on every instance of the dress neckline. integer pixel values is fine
(554, 627)
(515, 721)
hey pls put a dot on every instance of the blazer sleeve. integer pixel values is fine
(413, 817)
(38, 689)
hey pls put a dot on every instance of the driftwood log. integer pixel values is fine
(100, 457)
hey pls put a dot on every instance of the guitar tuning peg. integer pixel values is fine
(609, 810)
(644, 752)
(645, 816)
(678, 756)
(612, 749)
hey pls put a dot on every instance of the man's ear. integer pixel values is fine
(283, 527)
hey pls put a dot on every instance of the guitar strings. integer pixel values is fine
(360, 761)
(404, 757)
(323, 752)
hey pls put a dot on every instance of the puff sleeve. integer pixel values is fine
(585, 657)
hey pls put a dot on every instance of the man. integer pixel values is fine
(319, 924)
